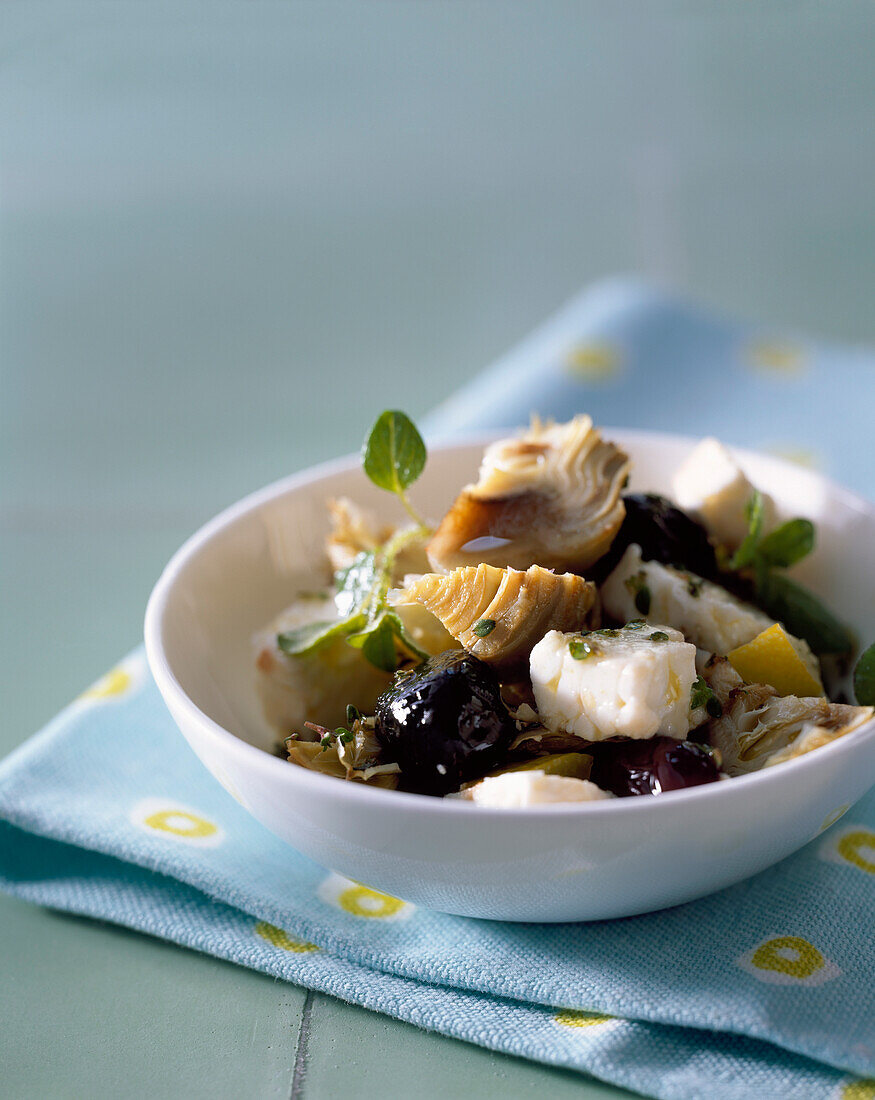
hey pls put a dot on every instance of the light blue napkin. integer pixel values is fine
(762, 990)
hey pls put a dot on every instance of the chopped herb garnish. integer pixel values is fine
(701, 695)
(607, 632)
(694, 585)
(580, 649)
(636, 624)
(637, 586)
(658, 636)
(352, 714)
(483, 627)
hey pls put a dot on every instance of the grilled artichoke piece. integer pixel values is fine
(500, 614)
(355, 529)
(550, 496)
(359, 760)
(760, 728)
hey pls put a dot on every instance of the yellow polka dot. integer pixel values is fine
(863, 1089)
(593, 362)
(854, 844)
(115, 682)
(181, 823)
(776, 358)
(789, 955)
(571, 1017)
(362, 901)
(832, 818)
(280, 938)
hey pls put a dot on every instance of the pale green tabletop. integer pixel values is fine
(232, 233)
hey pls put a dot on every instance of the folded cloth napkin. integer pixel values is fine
(761, 990)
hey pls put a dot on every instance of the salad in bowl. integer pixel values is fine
(556, 638)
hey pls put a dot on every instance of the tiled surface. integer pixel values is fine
(229, 234)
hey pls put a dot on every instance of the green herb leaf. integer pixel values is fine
(352, 714)
(394, 453)
(403, 635)
(803, 614)
(864, 678)
(701, 695)
(657, 636)
(637, 587)
(307, 639)
(787, 544)
(378, 645)
(355, 583)
(746, 553)
(694, 585)
(483, 627)
(377, 641)
(581, 649)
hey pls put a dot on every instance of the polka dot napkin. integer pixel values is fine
(761, 990)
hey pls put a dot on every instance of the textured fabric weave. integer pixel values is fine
(765, 989)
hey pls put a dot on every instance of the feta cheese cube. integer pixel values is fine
(707, 614)
(533, 788)
(712, 486)
(624, 683)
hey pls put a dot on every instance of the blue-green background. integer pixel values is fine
(231, 233)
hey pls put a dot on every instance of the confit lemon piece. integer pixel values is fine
(573, 765)
(776, 659)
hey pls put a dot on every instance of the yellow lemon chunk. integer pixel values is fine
(776, 659)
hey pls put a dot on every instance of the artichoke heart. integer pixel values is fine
(359, 761)
(500, 614)
(760, 728)
(549, 497)
(355, 529)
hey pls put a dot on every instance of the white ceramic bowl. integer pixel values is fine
(554, 863)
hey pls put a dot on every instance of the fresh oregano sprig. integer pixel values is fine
(393, 457)
(799, 610)
(864, 678)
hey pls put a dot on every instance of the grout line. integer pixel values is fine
(301, 1049)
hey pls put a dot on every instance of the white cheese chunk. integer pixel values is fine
(712, 486)
(705, 613)
(630, 684)
(533, 788)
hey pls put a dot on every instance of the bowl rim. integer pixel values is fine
(171, 689)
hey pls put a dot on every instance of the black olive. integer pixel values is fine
(664, 533)
(444, 723)
(651, 767)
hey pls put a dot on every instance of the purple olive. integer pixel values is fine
(651, 767)
(444, 723)
(664, 533)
